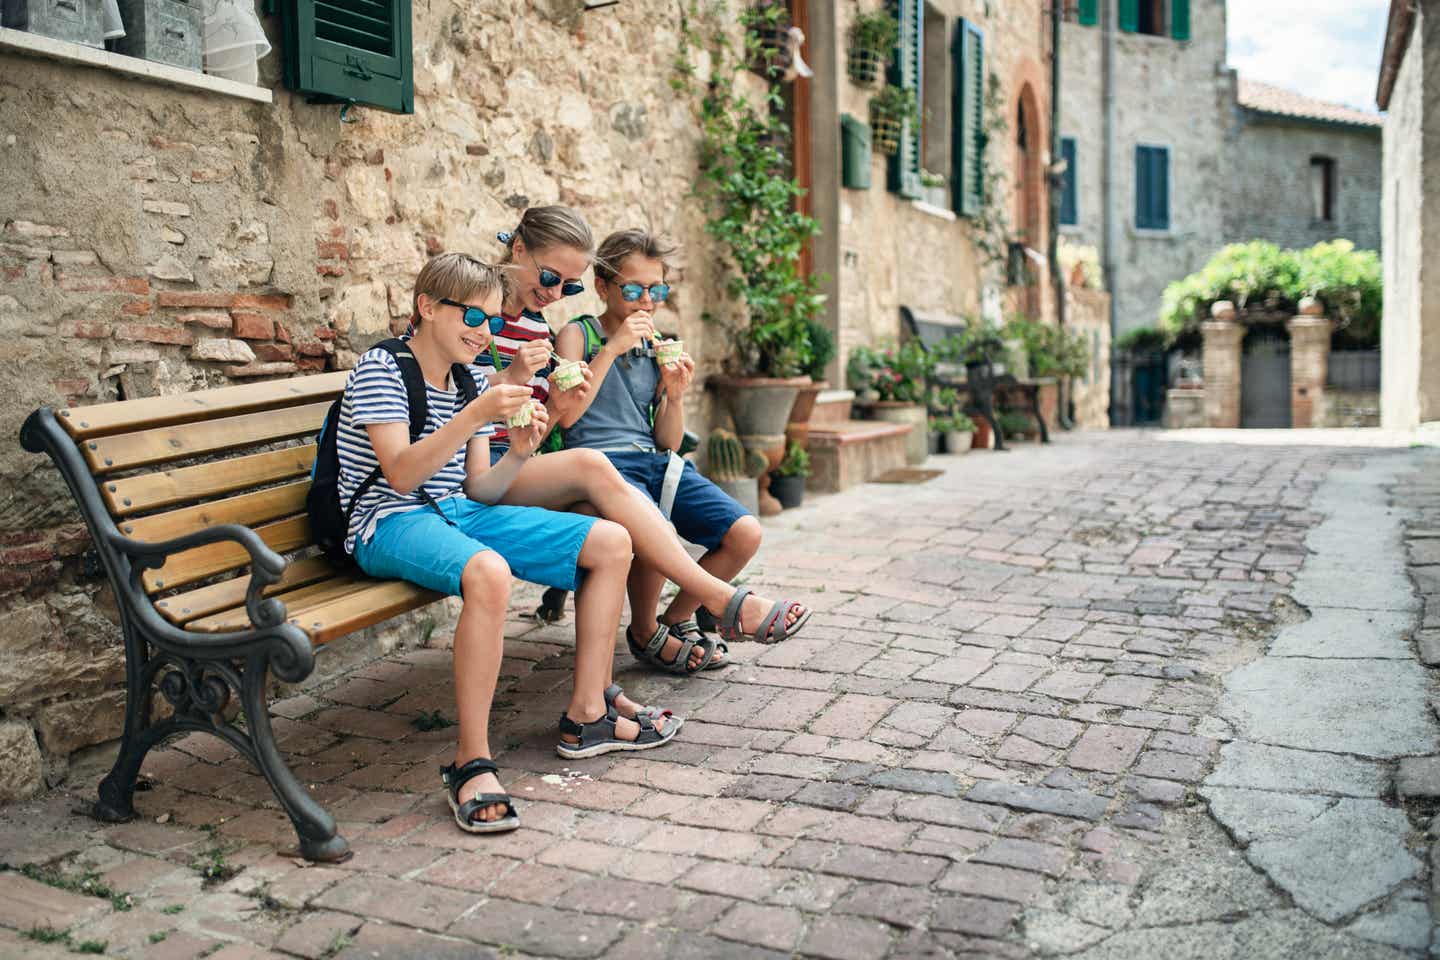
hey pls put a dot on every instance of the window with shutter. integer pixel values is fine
(968, 126)
(350, 51)
(1129, 15)
(1089, 12)
(1180, 19)
(1069, 205)
(905, 71)
(1152, 188)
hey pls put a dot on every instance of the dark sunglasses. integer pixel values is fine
(475, 317)
(634, 291)
(549, 278)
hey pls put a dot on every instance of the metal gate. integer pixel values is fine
(1265, 378)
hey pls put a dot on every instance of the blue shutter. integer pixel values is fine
(904, 168)
(350, 51)
(1069, 214)
(1129, 15)
(967, 127)
(1180, 19)
(1089, 13)
(1152, 188)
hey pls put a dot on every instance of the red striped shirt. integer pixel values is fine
(519, 329)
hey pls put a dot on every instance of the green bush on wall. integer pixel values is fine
(1259, 276)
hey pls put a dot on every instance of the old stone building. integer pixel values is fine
(1172, 155)
(1408, 90)
(163, 230)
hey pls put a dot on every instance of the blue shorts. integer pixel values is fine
(702, 514)
(541, 546)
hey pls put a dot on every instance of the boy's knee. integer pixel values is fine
(486, 579)
(743, 537)
(612, 541)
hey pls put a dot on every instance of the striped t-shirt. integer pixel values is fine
(375, 393)
(519, 330)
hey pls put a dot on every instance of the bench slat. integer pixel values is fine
(380, 601)
(188, 566)
(296, 601)
(126, 450)
(248, 509)
(203, 601)
(152, 490)
(84, 423)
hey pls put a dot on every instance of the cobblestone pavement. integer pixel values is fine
(994, 739)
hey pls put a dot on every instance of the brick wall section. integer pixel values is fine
(1309, 366)
(1221, 362)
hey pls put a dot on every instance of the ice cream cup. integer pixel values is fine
(523, 416)
(567, 375)
(667, 352)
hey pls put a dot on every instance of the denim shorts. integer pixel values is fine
(702, 514)
(541, 546)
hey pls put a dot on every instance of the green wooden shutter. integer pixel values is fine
(904, 169)
(350, 51)
(1152, 188)
(1130, 15)
(1089, 12)
(1180, 19)
(967, 126)
(1069, 205)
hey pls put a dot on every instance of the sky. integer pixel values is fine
(1328, 49)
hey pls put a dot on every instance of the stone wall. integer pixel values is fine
(1088, 312)
(1167, 93)
(893, 251)
(1410, 215)
(1269, 190)
(155, 240)
(1348, 408)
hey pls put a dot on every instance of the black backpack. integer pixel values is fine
(329, 523)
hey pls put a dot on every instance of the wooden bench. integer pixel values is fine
(981, 384)
(193, 501)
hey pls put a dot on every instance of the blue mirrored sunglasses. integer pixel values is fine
(549, 278)
(634, 291)
(475, 317)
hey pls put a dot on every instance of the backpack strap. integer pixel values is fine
(594, 341)
(418, 405)
(464, 382)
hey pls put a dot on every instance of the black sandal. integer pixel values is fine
(649, 652)
(717, 657)
(599, 737)
(456, 777)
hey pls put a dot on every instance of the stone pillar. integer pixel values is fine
(1221, 362)
(1309, 362)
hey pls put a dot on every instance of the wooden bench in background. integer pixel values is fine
(193, 501)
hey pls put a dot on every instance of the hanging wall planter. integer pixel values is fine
(871, 40)
(889, 110)
(767, 35)
(885, 134)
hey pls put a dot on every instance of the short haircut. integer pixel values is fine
(623, 243)
(455, 276)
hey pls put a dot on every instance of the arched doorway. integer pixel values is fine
(1265, 376)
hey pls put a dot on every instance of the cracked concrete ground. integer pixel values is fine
(1129, 695)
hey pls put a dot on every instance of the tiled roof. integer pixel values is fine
(1263, 98)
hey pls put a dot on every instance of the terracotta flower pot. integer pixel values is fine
(798, 429)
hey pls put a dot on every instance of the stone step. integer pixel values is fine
(832, 406)
(844, 453)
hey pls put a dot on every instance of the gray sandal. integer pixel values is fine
(650, 651)
(772, 629)
(598, 736)
(719, 659)
(613, 692)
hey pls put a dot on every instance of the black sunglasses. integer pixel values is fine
(475, 317)
(549, 278)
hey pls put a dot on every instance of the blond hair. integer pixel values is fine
(552, 226)
(455, 276)
(623, 243)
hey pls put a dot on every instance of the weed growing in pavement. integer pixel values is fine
(433, 720)
(46, 934)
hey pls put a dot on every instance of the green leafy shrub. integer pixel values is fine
(1143, 340)
(1259, 277)
(895, 103)
(796, 462)
(894, 373)
(876, 30)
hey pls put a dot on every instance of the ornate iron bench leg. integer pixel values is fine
(1039, 420)
(552, 606)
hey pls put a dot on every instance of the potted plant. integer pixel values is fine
(872, 38)
(822, 351)
(734, 469)
(767, 37)
(889, 111)
(959, 434)
(897, 379)
(752, 213)
(789, 483)
(1015, 424)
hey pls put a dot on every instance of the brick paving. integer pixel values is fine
(1008, 684)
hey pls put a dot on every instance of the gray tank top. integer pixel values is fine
(619, 417)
